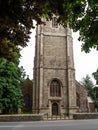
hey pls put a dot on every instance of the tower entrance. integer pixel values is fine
(55, 109)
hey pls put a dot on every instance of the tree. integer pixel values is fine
(89, 85)
(9, 51)
(16, 18)
(10, 86)
(15, 21)
(95, 75)
(87, 24)
(11, 77)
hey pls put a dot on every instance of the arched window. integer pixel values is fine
(54, 22)
(55, 88)
(27, 101)
(78, 100)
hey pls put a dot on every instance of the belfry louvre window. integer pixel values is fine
(55, 89)
(54, 22)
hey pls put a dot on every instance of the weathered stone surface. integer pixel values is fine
(85, 116)
(21, 117)
(81, 93)
(54, 61)
(27, 95)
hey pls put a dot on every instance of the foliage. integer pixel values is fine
(95, 75)
(11, 77)
(16, 19)
(9, 51)
(87, 24)
(89, 85)
(10, 82)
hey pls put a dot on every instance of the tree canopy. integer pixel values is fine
(91, 88)
(10, 86)
(11, 77)
(95, 75)
(89, 85)
(9, 51)
(16, 18)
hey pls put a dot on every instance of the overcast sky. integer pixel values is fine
(84, 63)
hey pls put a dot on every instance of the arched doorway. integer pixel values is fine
(54, 109)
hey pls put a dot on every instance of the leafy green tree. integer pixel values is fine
(95, 75)
(16, 18)
(10, 86)
(15, 21)
(89, 85)
(9, 51)
(11, 77)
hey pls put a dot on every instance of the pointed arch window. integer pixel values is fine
(78, 100)
(55, 88)
(27, 101)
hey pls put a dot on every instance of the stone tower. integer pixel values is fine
(54, 90)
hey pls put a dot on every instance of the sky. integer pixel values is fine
(85, 63)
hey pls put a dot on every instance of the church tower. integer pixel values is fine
(54, 90)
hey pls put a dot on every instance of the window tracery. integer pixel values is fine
(55, 88)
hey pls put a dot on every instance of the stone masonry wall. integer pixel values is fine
(82, 97)
(21, 117)
(78, 116)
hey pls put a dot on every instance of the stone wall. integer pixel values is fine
(21, 117)
(81, 93)
(40, 117)
(78, 116)
(27, 95)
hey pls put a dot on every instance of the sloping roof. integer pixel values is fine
(81, 86)
(90, 100)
